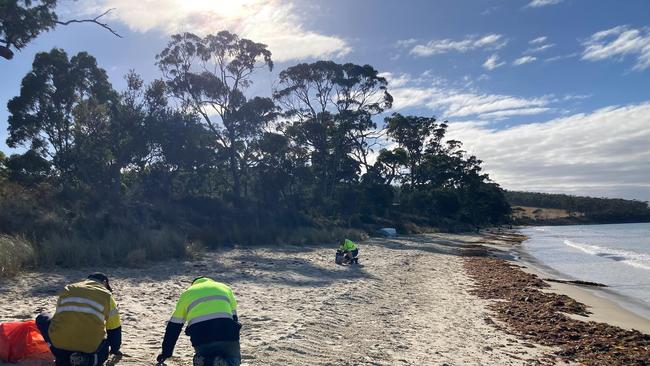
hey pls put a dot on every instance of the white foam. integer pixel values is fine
(638, 260)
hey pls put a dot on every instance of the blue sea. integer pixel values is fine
(615, 255)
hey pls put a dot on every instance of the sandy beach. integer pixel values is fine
(409, 303)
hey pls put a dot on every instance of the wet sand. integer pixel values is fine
(602, 308)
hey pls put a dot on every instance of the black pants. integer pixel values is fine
(352, 254)
(62, 356)
(228, 351)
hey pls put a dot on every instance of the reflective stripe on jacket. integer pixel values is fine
(84, 311)
(205, 300)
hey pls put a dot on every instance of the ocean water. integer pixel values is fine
(615, 255)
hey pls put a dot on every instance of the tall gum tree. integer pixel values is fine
(209, 76)
(329, 109)
(54, 95)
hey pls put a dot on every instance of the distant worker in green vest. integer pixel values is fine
(350, 250)
(210, 310)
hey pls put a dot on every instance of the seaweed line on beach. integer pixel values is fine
(540, 317)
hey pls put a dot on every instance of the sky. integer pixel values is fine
(553, 95)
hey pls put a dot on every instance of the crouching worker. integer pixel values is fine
(350, 250)
(210, 310)
(86, 325)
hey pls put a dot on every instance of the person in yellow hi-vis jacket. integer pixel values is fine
(210, 310)
(86, 323)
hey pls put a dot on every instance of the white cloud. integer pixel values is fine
(524, 60)
(562, 57)
(603, 153)
(489, 41)
(514, 112)
(569, 97)
(541, 3)
(396, 80)
(406, 42)
(493, 62)
(619, 42)
(489, 10)
(460, 102)
(275, 23)
(541, 48)
(538, 40)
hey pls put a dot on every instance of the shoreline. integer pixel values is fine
(608, 305)
(420, 300)
(523, 308)
(612, 306)
(587, 328)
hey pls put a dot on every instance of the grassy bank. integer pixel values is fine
(15, 254)
(134, 248)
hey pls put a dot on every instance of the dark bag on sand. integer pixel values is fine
(339, 257)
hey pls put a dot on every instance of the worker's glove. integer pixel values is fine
(161, 358)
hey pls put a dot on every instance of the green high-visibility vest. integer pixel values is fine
(205, 300)
(348, 245)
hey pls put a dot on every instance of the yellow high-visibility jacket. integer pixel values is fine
(205, 300)
(84, 312)
(210, 310)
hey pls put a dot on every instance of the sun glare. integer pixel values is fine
(230, 9)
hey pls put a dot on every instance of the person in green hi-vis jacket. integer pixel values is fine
(350, 250)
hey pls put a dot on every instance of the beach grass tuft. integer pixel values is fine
(15, 254)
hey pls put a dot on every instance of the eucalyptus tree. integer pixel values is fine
(329, 109)
(23, 20)
(209, 76)
(415, 135)
(62, 101)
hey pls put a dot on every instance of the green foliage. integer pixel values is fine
(15, 254)
(124, 177)
(600, 210)
(132, 247)
(23, 20)
(27, 169)
(185, 63)
(3, 166)
(311, 236)
(329, 107)
(62, 108)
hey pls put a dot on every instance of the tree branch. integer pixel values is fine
(6, 53)
(93, 20)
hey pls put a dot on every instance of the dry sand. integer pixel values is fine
(407, 304)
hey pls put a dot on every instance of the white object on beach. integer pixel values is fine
(388, 231)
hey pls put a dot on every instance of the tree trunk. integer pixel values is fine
(234, 169)
(115, 182)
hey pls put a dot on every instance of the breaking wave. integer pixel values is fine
(624, 256)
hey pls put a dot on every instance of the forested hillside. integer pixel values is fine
(586, 209)
(193, 157)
